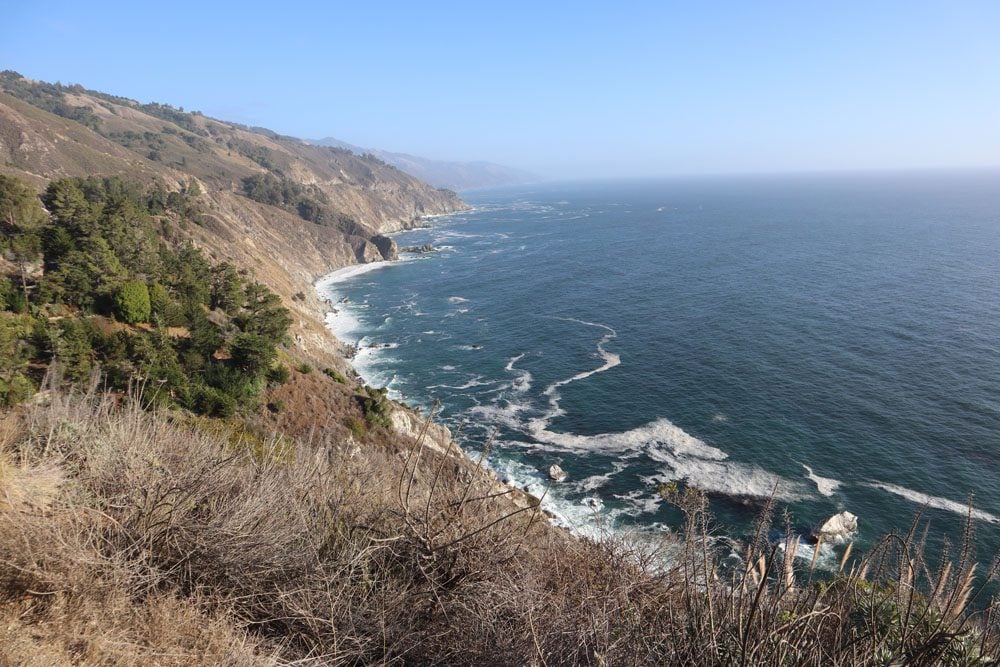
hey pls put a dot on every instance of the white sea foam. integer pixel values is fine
(640, 502)
(828, 558)
(507, 415)
(594, 482)
(457, 299)
(348, 272)
(825, 485)
(343, 321)
(521, 383)
(583, 518)
(730, 478)
(656, 435)
(476, 381)
(687, 457)
(344, 324)
(934, 501)
(539, 426)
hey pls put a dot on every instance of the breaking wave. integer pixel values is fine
(826, 486)
(934, 501)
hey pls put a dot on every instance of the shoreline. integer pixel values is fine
(589, 518)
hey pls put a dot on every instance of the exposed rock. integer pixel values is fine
(409, 423)
(556, 473)
(386, 246)
(838, 528)
(419, 249)
(367, 252)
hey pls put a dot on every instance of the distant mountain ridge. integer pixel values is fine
(452, 175)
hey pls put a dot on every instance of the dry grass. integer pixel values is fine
(129, 537)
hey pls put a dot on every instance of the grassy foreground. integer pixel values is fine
(135, 537)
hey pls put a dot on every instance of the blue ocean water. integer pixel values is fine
(835, 337)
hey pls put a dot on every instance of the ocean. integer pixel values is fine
(831, 339)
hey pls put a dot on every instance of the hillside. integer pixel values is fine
(284, 210)
(453, 175)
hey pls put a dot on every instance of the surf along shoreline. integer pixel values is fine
(690, 459)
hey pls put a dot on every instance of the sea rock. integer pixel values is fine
(838, 528)
(386, 246)
(367, 252)
(427, 247)
(557, 474)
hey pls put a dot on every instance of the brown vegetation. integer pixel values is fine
(130, 537)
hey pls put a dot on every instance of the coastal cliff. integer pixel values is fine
(284, 210)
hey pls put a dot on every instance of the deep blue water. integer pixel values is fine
(850, 324)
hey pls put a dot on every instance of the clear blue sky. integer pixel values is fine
(563, 88)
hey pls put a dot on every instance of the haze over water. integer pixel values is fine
(835, 335)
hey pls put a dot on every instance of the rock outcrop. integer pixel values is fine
(838, 528)
(557, 474)
(386, 246)
(419, 249)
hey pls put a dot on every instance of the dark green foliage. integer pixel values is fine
(132, 302)
(179, 117)
(263, 313)
(226, 288)
(16, 351)
(279, 374)
(268, 189)
(164, 308)
(376, 406)
(251, 353)
(19, 205)
(104, 258)
(309, 203)
(276, 406)
(335, 375)
(258, 154)
(70, 342)
(305, 368)
(212, 402)
(47, 96)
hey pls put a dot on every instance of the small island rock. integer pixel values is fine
(556, 473)
(837, 528)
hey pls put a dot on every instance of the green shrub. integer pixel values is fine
(132, 302)
(305, 368)
(357, 427)
(214, 403)
(251, 353)
(279, 374)
(17, 390)
(335, 375)
(376, 406)
(276, 406)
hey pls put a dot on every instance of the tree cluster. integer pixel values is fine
(88, 283)
(308, 203)
(48, 96)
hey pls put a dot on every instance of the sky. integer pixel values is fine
(565, 89)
